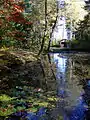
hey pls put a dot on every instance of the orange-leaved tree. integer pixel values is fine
(13, 23)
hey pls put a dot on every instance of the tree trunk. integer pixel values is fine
(43, 40)
(53, 27)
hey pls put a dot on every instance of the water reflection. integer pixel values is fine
(60, 62)
(61, 66)
(72, 103)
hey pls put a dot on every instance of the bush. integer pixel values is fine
(73, 43)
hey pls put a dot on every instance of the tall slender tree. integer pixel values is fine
(45, 29)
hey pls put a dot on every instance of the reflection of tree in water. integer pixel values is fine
(81, 72)
(70, 69)
(81, 68)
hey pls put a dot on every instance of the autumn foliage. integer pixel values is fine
(13, 12)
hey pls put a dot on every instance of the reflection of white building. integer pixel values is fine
(60, 64)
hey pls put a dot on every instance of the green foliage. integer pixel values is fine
(5, 108)
(6, 111)
(8, 41)
(28, 36)
(74, 12)
(60, 118)
(83, 33)
(36, 98)
(4, 98)
(55, 43)
(74, 44)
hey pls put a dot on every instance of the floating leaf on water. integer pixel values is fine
(45, 104)
(33, 109)
(4, 97)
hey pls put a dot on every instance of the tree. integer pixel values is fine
(50, 22)
(27, 23)
(44, 14)
(74, 12)
(83, 30)
(87, 6)
(83, 33)
(12, 21)
(45, 30)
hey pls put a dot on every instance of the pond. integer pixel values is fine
(64, 95)
(72, 77)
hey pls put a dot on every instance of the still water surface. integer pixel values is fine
(71, 68)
